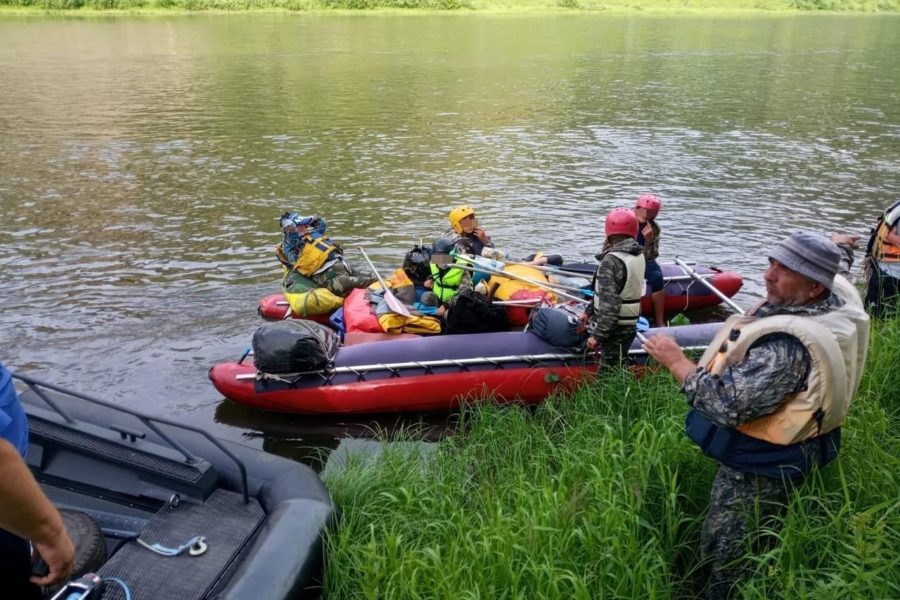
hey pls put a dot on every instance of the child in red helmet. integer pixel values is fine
(646, 208)
(618, 285)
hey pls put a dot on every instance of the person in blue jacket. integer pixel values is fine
(25, 512)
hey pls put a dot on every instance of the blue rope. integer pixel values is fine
(122, 584)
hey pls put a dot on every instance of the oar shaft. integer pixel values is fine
(562, 271)
(393, 303)
(551, 270)
(374, 270)
(547, 286)
(491, 269)
(711, 287)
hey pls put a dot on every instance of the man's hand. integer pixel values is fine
(482, 235)
(59, 554)
(592, 343)
(26, 512)
(668, 353)
(845, 239)
(648, 232)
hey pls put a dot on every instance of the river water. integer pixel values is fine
(144, 162)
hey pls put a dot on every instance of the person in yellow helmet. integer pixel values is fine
(467, 235)
(469, 238)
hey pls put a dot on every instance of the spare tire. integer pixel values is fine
(90, 545)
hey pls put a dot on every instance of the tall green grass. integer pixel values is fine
(601, 495)
(484, 5)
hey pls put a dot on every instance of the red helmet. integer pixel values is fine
(651, 203)
(621, 221)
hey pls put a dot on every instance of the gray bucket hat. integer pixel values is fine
(809, 254)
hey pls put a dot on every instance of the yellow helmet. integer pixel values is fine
(458, 214)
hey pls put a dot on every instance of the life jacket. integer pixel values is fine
(776, 444)
(509, 287)
(282, 257)
(878, 248)
(631, 293)
(316, 251)
(445, 283)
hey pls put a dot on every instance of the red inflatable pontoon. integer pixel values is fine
(427, 373)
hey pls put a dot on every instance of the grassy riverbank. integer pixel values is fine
(602, 496)
(465, 5)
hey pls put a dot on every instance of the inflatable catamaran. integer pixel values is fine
(684, 292)
(428, 373)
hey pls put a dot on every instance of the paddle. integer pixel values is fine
(711, 287)
(487, 267)
(547, 286)
(555, 270)
(392, 301)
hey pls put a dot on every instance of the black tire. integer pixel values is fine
(90, 546)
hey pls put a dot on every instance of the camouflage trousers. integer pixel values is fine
(738, 503)
(614, 348)
(339, 279)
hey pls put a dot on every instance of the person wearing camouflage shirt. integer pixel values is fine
(739, 390)
(467, 235)
(617, 286)
(314, 259)
(646, 209)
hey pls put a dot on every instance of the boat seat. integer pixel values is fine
(223, 519)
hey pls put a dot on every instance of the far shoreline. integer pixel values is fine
(85, 8)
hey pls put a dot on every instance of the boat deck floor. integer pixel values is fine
(226, 523)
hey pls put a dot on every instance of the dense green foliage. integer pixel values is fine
(601, 495)
(591, 5)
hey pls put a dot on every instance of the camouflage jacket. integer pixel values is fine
(651, 247)
(609, 279)
(467, 243)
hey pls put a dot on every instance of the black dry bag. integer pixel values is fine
(471, 312)
(562, 326)
(294, 347)
(416, 264)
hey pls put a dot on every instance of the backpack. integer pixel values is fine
(563, 326)
(294, 346)
(471, 312)
(416, 264)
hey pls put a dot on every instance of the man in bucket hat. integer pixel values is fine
(769, 395)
